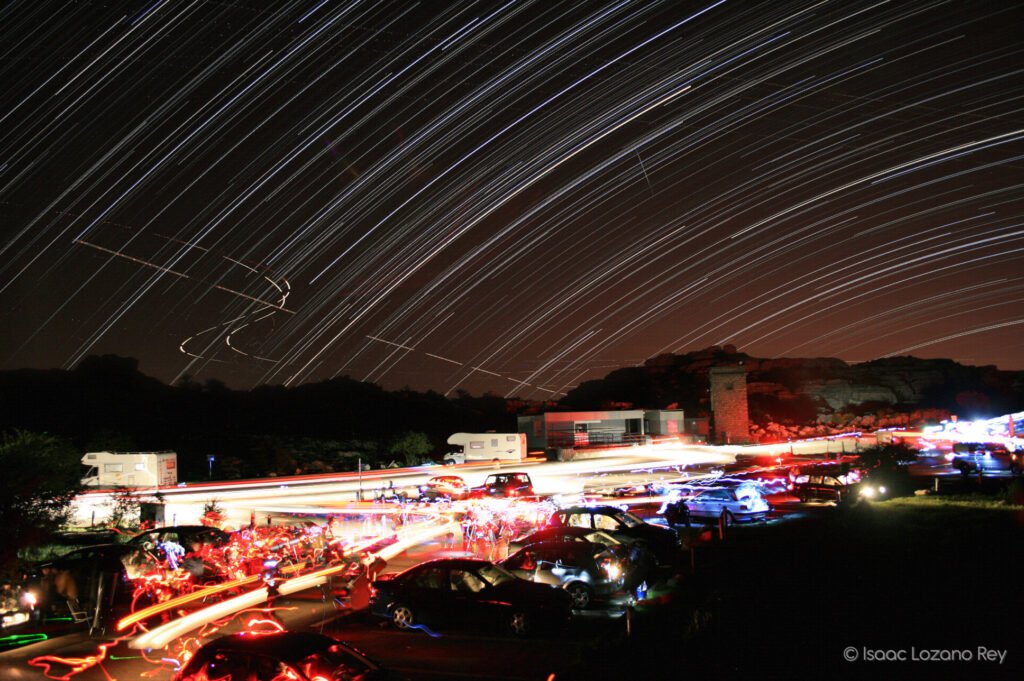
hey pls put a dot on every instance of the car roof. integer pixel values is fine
(450, 562)
(568, 548)
(590, 509)
(285, 645)
(100, 550)
(566, 529)
(185, 529)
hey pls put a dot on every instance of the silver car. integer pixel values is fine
(588, 572)
(737, 504)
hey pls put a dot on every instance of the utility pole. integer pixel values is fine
(359, 468)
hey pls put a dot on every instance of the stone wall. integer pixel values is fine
(730, 416)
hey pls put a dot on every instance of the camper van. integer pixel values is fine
(130, 469)
(469, 447)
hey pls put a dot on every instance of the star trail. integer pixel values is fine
(507, 196)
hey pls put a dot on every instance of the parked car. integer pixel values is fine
(91, 584)
(834, 485)
(638, 558)
(662, 542)
(971, 457)
(505, 485)
(466, 591)
(569, 534)
(586, 571)
(739, 503)
(296, 656)
(182, 535)
(444, 487)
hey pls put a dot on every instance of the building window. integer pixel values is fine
(476, 444)
(112, 468)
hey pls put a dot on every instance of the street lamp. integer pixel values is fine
(209, 459)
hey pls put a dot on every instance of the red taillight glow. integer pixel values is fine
(613, 570)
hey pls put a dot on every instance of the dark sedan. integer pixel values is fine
(465, 591)
(662, 542)
(569, 534)
(297, 656)
(633, 552)
(92, 584)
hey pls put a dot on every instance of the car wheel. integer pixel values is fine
(519, 623)
(582, 595)
(402, 617)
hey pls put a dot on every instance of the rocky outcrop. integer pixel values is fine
(839, 394)
(804, 392)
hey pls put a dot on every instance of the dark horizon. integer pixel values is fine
(507, 197)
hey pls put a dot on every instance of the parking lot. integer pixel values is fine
(749, 576)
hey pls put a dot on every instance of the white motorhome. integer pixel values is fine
(469, 447)
(131, 469)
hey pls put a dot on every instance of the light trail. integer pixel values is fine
(182, 275)
(161, 636)
(555, 186)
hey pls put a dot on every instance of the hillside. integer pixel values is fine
(797, 391)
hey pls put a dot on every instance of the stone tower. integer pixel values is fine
(729, 417)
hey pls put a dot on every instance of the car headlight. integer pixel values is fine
(867, 492)
(613, 570)
(881, 490)
(15, 618)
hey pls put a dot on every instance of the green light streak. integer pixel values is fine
(21, 639)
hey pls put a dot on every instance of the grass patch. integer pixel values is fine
(783, 601)
(981, 502)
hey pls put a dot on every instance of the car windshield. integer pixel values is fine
(628, 519)
(494, 575)
(599, 537)
(331, 664)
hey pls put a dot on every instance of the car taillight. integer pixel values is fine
(373, 591)
(744, 507)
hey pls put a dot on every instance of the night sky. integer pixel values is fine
(508, 197)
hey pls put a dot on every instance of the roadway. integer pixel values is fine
(324, 493)
(456, 654)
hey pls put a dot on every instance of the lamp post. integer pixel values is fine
(359, 469)
(209, 460)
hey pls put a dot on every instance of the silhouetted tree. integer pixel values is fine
(41, 475)
(412, 447)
